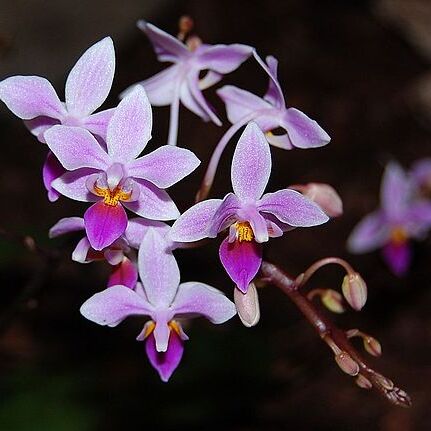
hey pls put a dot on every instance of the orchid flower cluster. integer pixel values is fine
(404, 215)
(96, 157)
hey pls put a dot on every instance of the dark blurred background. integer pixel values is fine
(362, 69)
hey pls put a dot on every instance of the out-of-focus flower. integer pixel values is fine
(162, 298)
(33, 99)
(401, 217)
(116, 177)
(250, 217)
(421, 176)
(182, 81)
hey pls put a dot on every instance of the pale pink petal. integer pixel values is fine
(273, 95)
(137, 228)
(81, 251)
(224, 58)
(189, 101)
(51, 170)
(39, 125)
(130, 127)
(73, 185)
(225, 215)
(280, 141)
(98, 123)
(90, 80)
(66, 225)
(211, 78)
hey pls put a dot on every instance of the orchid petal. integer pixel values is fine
(370, 233)
(80, 253)
(273, 95)
(241, 260)
(130, 127)
(125, 274)
(395, 191)
(189, 101)
(104, 224)
(90, 80)
(291, 207)
(114, 257)
(31, 96)
(39, 125)
(98, 123)
(165, 166)
(224, 58)
(225, 215)
(398, 257)
(211, 78)
(137, 228)
(259, 226)
(73, 185)
(158, 270)
(66, 225)
(153, 203)
(76, 148)
(280, 141)
(196, 222)
(165, 363)
(161, 333)
(251, 164)
(52, 169)
(195, 298)
(303, 131)
(111, 306)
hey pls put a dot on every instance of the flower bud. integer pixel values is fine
(247, 305)
(372, 346)
(324, 195)
(347, 364)
(332, 300)
(355, 290)
(185, 24)
(363, 382)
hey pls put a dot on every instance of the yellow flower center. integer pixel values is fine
(111, 197)
(244, 232)
(398, 236)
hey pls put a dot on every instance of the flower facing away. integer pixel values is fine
(162, 298)
(270, 113)
(250, 217)
(115, 177)
(181, 81)
(33, 99)
(401, 217)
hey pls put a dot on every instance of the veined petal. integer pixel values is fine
(370, 233)
(76, 148)
(158, 270)
(130, 127)
(303, 131)
(98, 123)
(31, 96)
(66, 225)
(153, 203)
(241, 103)
(241, 260)
(273, 95)
(224, 58)
(165, 166)
(195, 298)
(138, 227)
(104, 224)
(165, 363)
(395, 191)
(39, 125)
(291, 207)
(51, 170)
(167, 47)
(398, 257)
(196, 222)
(251, 164)
(113, 305)
(225, 215)
(73, 185)
(125, 274)
(90, 80)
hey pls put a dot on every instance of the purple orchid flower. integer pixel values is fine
(33, 99)
(162, 298)
(250, 217)
(269, 112)
(181, 81)
(399, 219)
(116, 177)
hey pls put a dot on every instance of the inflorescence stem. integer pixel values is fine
(334, 337)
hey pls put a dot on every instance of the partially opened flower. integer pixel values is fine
(250, 217)
(162, 298)
(182, 81)
(116, 177)
(401, 217)
(33, 99)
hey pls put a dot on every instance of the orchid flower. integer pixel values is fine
(399, 219)
(181, 81)
(116, 177)
(33, 99)
(163, 299)
(270, 113)
(250, 217)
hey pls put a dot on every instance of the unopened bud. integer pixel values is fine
(324, 195)
(363, 382)
(347, 364)
(332, 300)
(355, 290)
(247, 305)
(193, 43)
(385, 382)
(372, 346)
(185, 24)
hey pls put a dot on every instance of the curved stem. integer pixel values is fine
(173, 118)
(334, 337)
